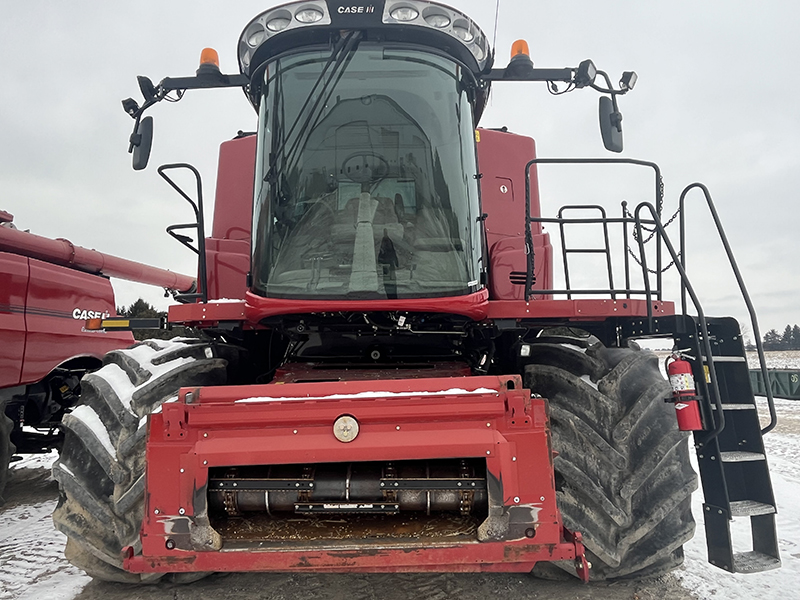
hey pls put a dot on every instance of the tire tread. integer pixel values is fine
(634, 510)
(101, 504)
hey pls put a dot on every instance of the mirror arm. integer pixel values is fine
(136, 138)
(610, 89)
(613, 93)
(566, 75)
(155, 94)
(582, 76)
(169, 84)
(137, 114)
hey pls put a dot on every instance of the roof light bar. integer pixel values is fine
(340, 15)
(443, 18)
(277, 20)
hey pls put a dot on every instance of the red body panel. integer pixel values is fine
(43, 326)
(473, 306)
(13, 290)
(257, 308)
(228, 262)
(233, 206)
(63, 252)
(208, 315)
(228, 248)
(485, 417)
(502, 158)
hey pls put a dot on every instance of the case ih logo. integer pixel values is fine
(356, 10)
(82, 315)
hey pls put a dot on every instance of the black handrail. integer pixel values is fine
(659, 193)
(657, 228)
(605, 250)
(605, 221)
(199, 225)
(742, 287)
(626, 249)
(719, 420)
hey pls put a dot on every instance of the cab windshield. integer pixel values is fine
(365, 178)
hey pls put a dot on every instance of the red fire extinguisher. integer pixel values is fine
(684, 394)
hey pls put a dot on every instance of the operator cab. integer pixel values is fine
(366, 176)
(366, 182)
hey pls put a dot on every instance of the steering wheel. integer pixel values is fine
(365, 166)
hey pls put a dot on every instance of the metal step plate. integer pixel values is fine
(750, 508)
(737, 456)
(721, 359)
(735, 407)
(754, 562)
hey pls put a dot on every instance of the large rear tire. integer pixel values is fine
(623, 477)
(7, 449)
(101, 468)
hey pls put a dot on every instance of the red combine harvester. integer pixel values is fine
(48, 288)
(403, 385)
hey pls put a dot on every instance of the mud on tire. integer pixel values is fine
(623, 476)
(101, 468)
(7, 449)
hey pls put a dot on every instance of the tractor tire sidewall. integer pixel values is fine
(623, 476)
(7, 449)
(101, 468)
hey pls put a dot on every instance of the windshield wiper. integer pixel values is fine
(343, 48)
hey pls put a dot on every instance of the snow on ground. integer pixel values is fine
(709, 582)
(783, 455)
(32, 564)
(776, 359)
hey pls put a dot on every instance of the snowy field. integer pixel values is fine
(32, 566)
(708, 582)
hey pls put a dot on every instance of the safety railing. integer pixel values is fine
(645, 224)
(625, 222)
(773, 417)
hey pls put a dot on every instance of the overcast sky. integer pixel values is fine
(717, 102)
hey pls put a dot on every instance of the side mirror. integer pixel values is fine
(610, 125)
(142, 143)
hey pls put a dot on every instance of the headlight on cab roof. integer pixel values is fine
(277, 20)
(309, 15)
(416, 16)
(278, 24)
(404, 13)
(432, 15)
